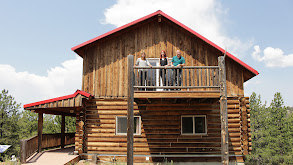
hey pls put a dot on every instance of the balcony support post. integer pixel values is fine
(223, 111)
(130, 119)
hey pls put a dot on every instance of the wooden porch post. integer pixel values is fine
(63, 131)
(223, 111)
(40, 131)
(130, 120)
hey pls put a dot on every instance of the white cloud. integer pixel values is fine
(28, 87)
(272, 57)
(205, 17)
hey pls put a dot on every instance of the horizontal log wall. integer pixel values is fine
(161, 129)
(80, 131)
(104, 65)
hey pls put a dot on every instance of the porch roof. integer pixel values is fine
(64, 105)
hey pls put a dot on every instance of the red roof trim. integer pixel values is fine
(115, 30)
(58, 98)
(178, 23)
(211, 43)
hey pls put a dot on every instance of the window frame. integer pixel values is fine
(116, 125)
(193, 133)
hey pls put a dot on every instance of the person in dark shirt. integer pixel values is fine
(163, 62)
(179, 62)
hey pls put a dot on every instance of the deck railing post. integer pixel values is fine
(130, 120)
(223, 111)
(23, 148)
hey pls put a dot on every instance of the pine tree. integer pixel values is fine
(28, 124)
(258, 113)
(274, 144)
(52, 124)
(272, 132)
(9, 130)
(288, 158)
(69, 123)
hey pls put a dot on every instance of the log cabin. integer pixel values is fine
(204, 119)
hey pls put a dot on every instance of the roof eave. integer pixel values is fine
(176, 22)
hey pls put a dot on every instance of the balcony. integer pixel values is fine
(176, 82)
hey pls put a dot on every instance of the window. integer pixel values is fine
(193, 125)
(121, 125)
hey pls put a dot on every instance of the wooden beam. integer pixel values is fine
(223, 111)
(63, 131)
(54, 112)
(40, 132)
(130, 119)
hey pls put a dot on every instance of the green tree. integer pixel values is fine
(271, 132)
(52, 124)
(28, 124)
(288, 158)
(9, 130)
(69, 123)
(258, 113)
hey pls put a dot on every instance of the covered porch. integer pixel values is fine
(68, 105)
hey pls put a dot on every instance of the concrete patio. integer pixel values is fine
(54, 156)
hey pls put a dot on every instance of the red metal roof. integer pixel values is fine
(178, 23)
(58, 98)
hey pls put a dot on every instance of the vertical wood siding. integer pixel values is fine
(104, 70)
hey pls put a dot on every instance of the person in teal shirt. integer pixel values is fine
(177, 61)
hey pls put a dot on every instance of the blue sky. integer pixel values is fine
(36, 39)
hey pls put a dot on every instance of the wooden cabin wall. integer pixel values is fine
(161, 129)
(105, 61)
(78, 133)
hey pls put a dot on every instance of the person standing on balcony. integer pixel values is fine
(142, 61)
(177, 61)
(163, 62)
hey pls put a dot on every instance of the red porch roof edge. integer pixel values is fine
(178, 23)
(58, 98)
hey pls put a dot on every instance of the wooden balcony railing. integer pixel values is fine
(187, 78)
(29, 146)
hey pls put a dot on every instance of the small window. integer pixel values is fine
(193, 125)
(121, 125)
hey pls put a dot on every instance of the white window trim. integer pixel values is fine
(116, 125)
(193, 116)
